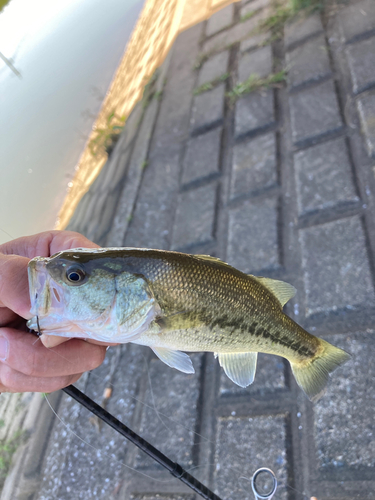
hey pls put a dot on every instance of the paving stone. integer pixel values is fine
(90, 207)
(336, 267)
(109, 169)
(253, 237)
(80, 213)
(234, 34)
(133, 171)
(253, 6)
(308, 62)
(220, 20)
(154, 209)
(258, 62)
(301, 30)
(357, 20)
(170, 129)
(95, 215)
(324, 177)
(121, 168)
(366, 108)
(314, 113)
(194, 223)
(62, 438)
(361, 58)
(151, 220)
(208, 109)
(254, 442)
(254, 112)
(254, 165)
(213, 68)
(108, 212)
(270, 376)
(344, 417)
(254, 42)
(174, 436)
(202, 157)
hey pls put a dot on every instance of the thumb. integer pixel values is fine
(14, 287)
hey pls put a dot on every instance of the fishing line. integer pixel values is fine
(173, 467)
(236, 470)
(69, 429)
(10, 236)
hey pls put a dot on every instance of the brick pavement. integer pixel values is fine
(279, 184)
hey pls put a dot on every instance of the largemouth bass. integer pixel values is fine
(174, 302)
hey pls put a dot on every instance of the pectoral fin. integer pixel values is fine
(239, 367)
(174, 359)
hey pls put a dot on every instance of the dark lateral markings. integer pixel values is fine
(230, 326)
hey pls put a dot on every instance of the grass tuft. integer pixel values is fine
(283, 12)
(210, 85)
(201, 59)
(249, 15)
(106, 137)
(7, 450)
(254, 82)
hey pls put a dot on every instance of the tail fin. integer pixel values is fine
(313, 376)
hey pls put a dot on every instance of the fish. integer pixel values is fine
(176, 303)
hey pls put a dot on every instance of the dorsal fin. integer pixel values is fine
(212, 259)
(281, 290)
(209, 258)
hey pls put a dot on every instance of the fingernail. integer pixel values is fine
(4, 348)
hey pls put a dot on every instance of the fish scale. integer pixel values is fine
(175, 302)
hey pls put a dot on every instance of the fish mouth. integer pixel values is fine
(46, 296)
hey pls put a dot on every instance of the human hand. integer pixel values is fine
(25, 363)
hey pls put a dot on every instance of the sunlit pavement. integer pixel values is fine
(279, 184)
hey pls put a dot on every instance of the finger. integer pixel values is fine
(14, 381)
(45, 244)
(14, 288)
(54, 340)
(26, 354)
(50, 341)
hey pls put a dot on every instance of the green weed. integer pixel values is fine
(149, 89)
(210, 85)
(202, 58)
(7, 450)
(106, 138)
(283, 12)
(144, 164)
(254, 82)
(250, 14)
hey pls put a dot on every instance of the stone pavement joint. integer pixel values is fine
(366, 108)
(257, 63)
(280, 184)
(255, 112)
(308, 63)
(314, 114)
(220, 20)
(302, 30)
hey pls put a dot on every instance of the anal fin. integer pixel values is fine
(174, 359)
(240, 367)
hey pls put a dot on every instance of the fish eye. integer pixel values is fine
(75, 275)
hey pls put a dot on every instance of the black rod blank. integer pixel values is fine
(173, 467)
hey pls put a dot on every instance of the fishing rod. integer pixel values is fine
(173, 467)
